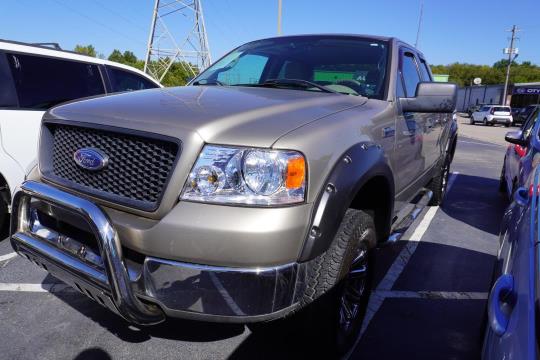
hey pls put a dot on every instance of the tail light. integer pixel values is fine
(520, 150)
(531, 188)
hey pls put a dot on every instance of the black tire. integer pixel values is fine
(485, 122)
(331, 282)
(336, 276)
(439, 183)
(507, 125)
(471, 120)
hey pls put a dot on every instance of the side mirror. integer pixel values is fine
(515, 137)
(431, 97)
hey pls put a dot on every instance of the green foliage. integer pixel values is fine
(86, 50)
(463, 74)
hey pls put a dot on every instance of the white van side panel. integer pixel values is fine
(19, 131)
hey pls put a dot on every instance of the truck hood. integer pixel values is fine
(218, 114)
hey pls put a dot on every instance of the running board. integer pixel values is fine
(412, 211)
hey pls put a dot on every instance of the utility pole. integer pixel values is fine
(177, 35)
(419, 24)
(279, 18)
(511, 51)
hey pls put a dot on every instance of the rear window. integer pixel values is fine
(43, 82)
(501, 108)
(122, 80)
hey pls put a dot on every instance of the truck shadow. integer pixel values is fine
(477, 202)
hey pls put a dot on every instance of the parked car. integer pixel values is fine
(513, 305)
(526, 112)
(515, 115)
(492, 114)
(519, 155)
(254, 193)
(34, 78)
(473, 108)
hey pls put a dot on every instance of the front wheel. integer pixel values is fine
(485, 122)
(338, 292)
(471, 120)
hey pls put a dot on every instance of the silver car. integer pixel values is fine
(493, 114)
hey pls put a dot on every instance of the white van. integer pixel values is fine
(36, 77)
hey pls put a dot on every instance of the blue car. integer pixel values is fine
(521, 155)
(513, 305)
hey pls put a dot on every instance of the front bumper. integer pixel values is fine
(145, 292)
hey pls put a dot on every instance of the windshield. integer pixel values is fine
(351, 66)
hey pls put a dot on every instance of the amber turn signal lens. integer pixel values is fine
(296, 172)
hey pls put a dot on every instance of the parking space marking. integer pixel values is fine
(385, 286)
(8, 256)
(39, 288)
(444, 295)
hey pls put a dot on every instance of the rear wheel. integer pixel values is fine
(439, 183)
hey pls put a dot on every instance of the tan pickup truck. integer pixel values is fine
(254, 194)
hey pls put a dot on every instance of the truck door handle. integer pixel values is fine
(498, 318)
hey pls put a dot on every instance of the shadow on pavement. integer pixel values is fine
(476, 201)
(432, 326)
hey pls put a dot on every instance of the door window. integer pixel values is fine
(424, 69)
(410, 73)
(8, 97)
(400, 90)
(122, 80)
(43, 82)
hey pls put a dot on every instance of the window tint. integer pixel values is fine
(122, 80)
(44, 82)
(247, 69)
(8, 97)
(484, 108)
(424, 69)
(501, 108)
(400, 91)
(410, 74)
(529, 125)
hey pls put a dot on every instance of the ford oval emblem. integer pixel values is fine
(90, 159)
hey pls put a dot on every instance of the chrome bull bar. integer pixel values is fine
(115, 277)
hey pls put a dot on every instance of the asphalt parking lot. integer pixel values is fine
(429, 298)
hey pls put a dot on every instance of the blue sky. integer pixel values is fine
(472, 31)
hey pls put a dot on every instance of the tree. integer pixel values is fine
(86, 50)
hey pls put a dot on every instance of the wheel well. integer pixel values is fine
(375, 197)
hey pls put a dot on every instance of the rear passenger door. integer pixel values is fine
(41, 82)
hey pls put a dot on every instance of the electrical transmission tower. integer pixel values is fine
(177, 34)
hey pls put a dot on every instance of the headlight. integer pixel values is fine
(247, 176)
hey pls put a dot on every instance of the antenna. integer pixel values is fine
(419, 23)
(177, 34)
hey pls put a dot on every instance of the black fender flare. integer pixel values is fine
(359, 164)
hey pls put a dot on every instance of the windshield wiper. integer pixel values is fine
(304, 84)
(208, 82)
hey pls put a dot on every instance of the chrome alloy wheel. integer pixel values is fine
(353, 297)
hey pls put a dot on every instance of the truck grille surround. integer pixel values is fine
(139, 164)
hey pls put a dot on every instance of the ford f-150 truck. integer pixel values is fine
(255, 193)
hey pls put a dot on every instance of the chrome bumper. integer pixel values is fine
(145, 293)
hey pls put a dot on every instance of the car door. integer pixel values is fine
(510, 330)
(40, 83)
(410, 154)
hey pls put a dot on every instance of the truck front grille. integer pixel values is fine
(138, 169)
